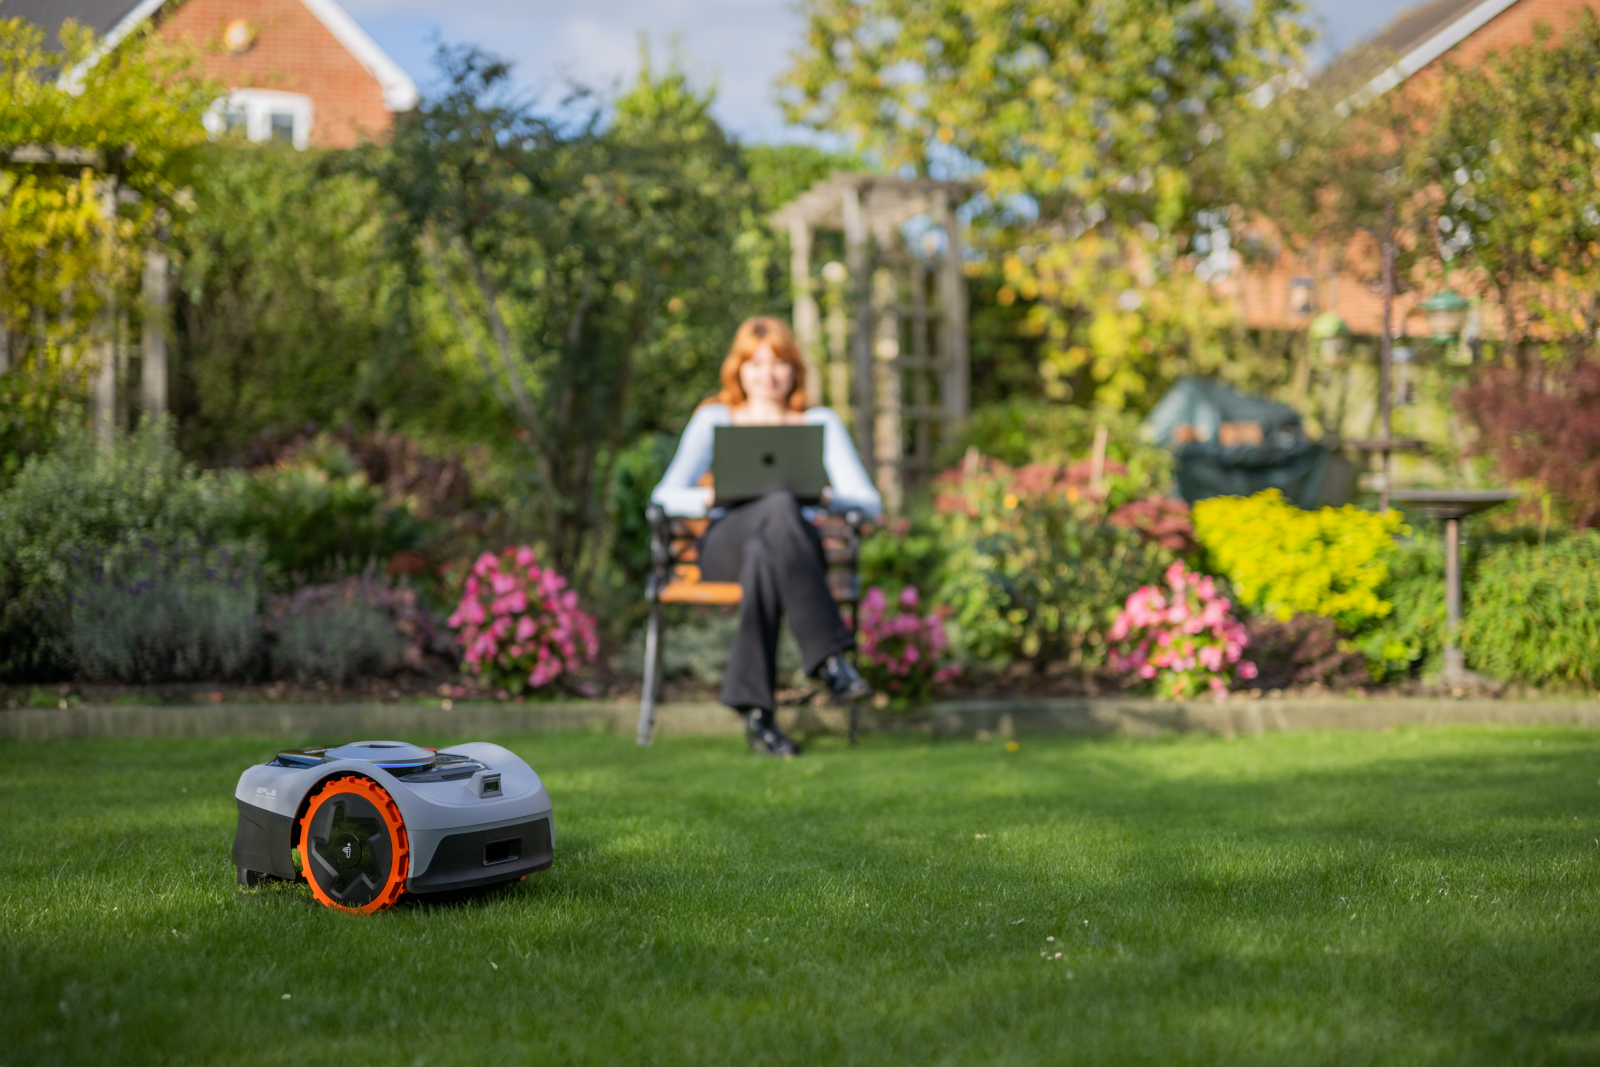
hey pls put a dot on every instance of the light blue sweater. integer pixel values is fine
(680, 494)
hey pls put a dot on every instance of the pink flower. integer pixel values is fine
(909, 597)
(1247, 670)
(524, 556)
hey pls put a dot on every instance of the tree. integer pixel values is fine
(1085, 120)
(286, 296)
(585, 270)
(94, 150)
(1515, 155)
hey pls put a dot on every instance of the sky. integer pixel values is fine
(740, 45)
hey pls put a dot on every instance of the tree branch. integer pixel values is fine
(430, 251)
(502, 338)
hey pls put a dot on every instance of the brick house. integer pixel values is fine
(1290, 292)
(300, 71)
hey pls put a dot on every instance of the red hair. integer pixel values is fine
(752, 334)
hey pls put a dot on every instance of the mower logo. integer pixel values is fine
(346, 850)
(263, 791)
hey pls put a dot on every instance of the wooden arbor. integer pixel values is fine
(896, 345)
(114, 344)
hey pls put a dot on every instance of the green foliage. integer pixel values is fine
(1019, 432)
(569, 268)
(105, 507)
(68, 248)
(332, 634)
(1534, 613)
(1515, 160)
(1075, 105)
(1004, 359)
(319, 515)
(137, 110)
(780, 172)
(634, 476)
(285, 304)
(171, 615)
(1085, 125)
(1323, 160)
(1119, 317)
(903, 552)
(1284, 560)
(1410, 639)
(1035, 576)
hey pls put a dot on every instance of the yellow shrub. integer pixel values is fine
(1285, 560)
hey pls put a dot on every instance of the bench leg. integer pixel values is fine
(855, 720)
(652, 674)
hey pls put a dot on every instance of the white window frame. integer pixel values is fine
(259, 105)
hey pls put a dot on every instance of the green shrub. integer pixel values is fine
(354, 629)
(901, 553)
(1534, 612)
(1020, 432)
(1410, 639)
(181, 614)
(1032, 571)
(319, 516)
(109, 506)
(1283, 560)
(633, 478)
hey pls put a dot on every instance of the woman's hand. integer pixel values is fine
(711, 496)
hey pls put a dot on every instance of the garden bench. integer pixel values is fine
(675, 579)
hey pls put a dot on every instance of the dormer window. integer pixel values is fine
(263, 115)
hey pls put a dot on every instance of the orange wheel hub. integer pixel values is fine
(353, 845)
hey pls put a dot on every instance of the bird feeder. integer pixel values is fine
(1446, 312)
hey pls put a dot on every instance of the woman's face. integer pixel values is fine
(766, 377)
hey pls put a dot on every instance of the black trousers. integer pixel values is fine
(775, 553)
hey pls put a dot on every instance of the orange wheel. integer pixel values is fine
(353, 845)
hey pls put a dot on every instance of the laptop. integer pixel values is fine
(751, 461)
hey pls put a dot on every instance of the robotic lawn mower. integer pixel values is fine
(375, 819)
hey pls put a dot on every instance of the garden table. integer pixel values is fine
(1452, 505)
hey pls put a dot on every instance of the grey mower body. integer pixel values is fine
(470, 815)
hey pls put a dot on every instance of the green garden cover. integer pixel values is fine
(1230, 444)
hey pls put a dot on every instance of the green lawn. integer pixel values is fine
(1410, 898)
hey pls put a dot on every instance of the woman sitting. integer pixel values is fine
(768, 545)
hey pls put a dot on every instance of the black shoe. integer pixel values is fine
(761, 734)
(843, 680)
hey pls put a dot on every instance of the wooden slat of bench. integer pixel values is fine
(726, 593)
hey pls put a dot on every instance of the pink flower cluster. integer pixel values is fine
(1184, 637)
(901, 653)
(519, 623)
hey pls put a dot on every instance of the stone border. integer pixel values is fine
(1002, 718)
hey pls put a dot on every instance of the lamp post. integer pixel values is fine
(1385, 343)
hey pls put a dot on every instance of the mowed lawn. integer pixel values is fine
(1416, 897)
